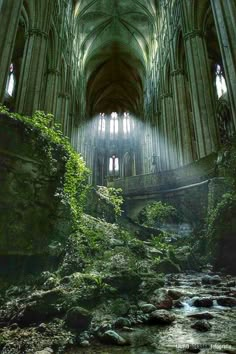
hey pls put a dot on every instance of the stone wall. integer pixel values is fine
(193, 173)
(98, 206)
(33, 220)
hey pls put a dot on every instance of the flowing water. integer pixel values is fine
(179, 337)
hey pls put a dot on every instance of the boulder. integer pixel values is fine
(202, 316)
(203, 302)
(122, 322)
(175, 294)
(112, 337)
(162, 317)
(162, 300)
(202, 326)
(226, 301)
(78, 318)
(45, 351)
(147, 308)
(167, 266)
(211, 280)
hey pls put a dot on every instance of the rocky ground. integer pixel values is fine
(115, 293)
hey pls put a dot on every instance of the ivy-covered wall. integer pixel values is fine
(33, 218)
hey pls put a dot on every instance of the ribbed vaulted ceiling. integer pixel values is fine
(115, 38)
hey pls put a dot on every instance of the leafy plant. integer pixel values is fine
(75, 183)
(156, 213)
(114, 196)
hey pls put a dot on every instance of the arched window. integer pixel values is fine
(220, 82)
(113, 165)
(11, 82)
(114, 123)
(126, 123)
(102, 123)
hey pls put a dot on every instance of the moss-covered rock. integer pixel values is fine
(221, 240)
(78, 318)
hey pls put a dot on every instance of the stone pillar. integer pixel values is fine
(63, 110)
(185, 154)
(202, 93)
(32, 72)
(224, 12)
(51, 91)
(9, 20)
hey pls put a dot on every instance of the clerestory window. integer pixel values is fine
(114, 123)
(220, 82)
(102, 123)
(11, 82)
(113, 165)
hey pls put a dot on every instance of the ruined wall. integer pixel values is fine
(33, 220)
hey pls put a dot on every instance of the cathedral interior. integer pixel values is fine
(117, 176)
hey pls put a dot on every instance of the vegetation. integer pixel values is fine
(114, 196)
(156, 213)
(75, 183)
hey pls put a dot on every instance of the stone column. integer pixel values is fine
(168, 134)
(202, 93)
(185, 154)
(51, 91)
(9, 20)
(31, 78)
(224, 12)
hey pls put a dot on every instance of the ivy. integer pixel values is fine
(114, 196)
(75, 183)
(156, 213)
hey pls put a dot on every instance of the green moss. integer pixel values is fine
(75, 183)
(114, 196)
(156, 213)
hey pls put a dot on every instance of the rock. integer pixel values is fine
(40, 307)
(161, 317)
(45, 351)
(85, 344)
(147, 308)
(226, 301)
(211, 280)
(175, 294)
(202, 326)
(111, 337)
(79, 318)
(178, 304)
(13, 326)
(203, 302)
(231, 284)
(166, 266)
(202, 316)
(50, 283)
(120, 307)
(42, 328)
(162, 300)
(104, 327)
(122, 322)
(125, 281)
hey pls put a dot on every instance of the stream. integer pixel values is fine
(180, 336)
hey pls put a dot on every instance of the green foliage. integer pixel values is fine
(222, 214)
(76, 175)
(228, 159)
(156, 213)
(114, 196)
(161, 243)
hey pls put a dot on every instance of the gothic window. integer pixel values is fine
(220, 83)
(11, 82)
(126, 123)
(102, 123)
(114, 165)
(114, 123)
